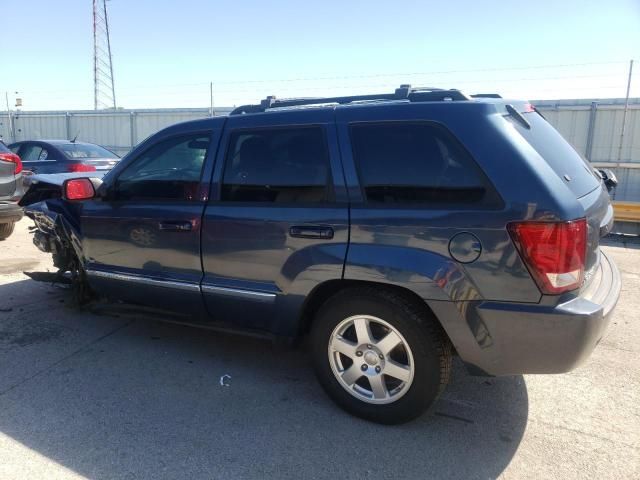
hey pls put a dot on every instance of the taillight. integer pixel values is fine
(554, 252)
(81, 167)
(13, 158)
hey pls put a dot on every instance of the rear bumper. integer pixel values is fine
(10, 212)
(516, 338)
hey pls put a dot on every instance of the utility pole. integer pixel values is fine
(211, 112)
(104, 92)
(624, 114)
(12, 130)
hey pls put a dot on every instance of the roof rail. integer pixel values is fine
(486, 95)
(404, 92)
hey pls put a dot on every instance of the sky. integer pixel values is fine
(165, 54)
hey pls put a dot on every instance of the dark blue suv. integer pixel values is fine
(396, 230)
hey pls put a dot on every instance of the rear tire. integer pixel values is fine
(400, 356)
(6, 229)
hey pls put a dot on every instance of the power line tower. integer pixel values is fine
(104, 93)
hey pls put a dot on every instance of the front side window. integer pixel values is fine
(169, 170)
(281, 165)
(417, 162)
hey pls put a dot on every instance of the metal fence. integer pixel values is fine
(594, 127)
(118, 130)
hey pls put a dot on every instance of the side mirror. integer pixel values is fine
(75, 189)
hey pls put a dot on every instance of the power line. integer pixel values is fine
(364, 76)
(503, 80)
(378, 75)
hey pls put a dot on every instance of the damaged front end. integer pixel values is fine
(57, 229)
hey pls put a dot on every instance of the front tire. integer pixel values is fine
(6, 229)
(379, 355)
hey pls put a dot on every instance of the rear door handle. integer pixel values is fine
(311, 231)
(175, 226)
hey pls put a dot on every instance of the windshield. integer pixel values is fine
(77, 151)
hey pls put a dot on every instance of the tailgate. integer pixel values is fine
(599, 214)
(576, 173)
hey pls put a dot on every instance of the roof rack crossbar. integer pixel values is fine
(404, 92)
(486, 95)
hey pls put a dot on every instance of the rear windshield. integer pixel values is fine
(559, 154)
(76, 151)
(3, 148)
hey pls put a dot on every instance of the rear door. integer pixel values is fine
(142, 239)
(37, 158)
(277, 222)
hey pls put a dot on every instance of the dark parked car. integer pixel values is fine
(10, 190)
(60, 156)
(395, 229)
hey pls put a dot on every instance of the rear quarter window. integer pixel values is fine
(420, 163)
(565, 161)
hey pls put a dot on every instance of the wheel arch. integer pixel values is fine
(323, 292)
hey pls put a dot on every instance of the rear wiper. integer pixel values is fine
(517, 116)
(538, 112)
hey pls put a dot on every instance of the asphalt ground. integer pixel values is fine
(124, 396)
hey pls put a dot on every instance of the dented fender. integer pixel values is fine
(57, 221)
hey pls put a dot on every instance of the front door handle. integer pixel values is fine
(311, 231)
(176, 226)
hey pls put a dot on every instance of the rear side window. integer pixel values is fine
(281, 165)
(418, 163)
(559, 154)
(33, 153)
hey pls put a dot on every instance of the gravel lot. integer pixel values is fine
(109, 397)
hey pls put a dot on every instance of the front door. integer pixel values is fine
(142, 240)
(277, 222)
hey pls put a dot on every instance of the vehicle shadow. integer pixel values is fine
(148, 400)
